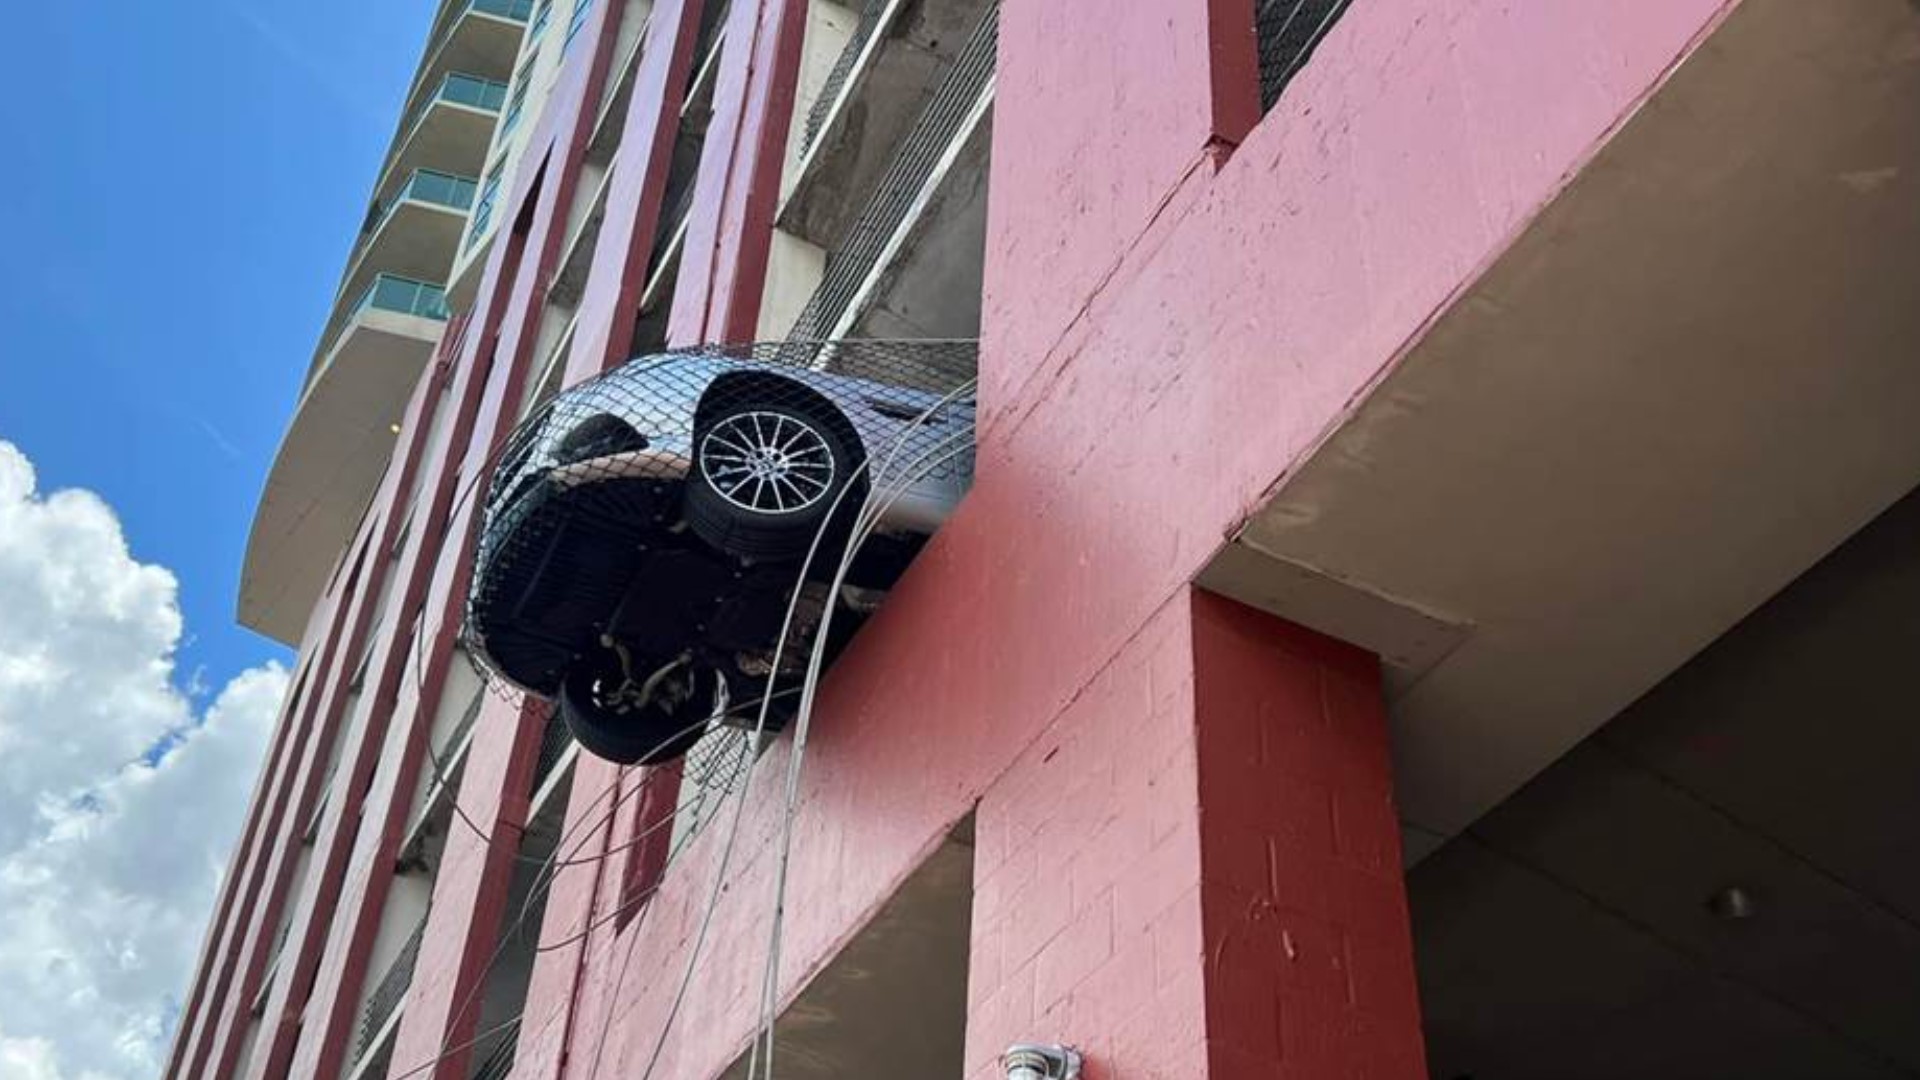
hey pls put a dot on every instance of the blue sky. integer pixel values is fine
(184, 181)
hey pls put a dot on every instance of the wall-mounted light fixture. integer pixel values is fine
(1034, 1061)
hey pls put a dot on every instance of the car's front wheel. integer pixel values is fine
(765, 479)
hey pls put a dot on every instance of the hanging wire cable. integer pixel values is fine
(543, 882)
(467, 1045)
(871, 513)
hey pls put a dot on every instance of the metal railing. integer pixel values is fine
(540, 20)
(389, 992)
(554, 741)
(581, 9)
(822, 108)
(472, 90)
(429, 186)
(499, 1061)
(859, 252)
(391, 292)
(441, 189)
(1288, 31)
(517, 10)
(483, 210)
(274, 952)
(669, 224)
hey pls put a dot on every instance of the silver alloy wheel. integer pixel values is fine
(767, 462)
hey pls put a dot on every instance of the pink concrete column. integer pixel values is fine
(593, 819)
(470, 892)
(1308, 955)
(729, 227)
(621, 256)
(1195, 871)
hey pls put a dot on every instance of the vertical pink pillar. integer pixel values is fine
(1196, 871)
(1308, 957)
(730, 225)
(461, 941)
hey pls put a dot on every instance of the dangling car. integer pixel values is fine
(644, 532)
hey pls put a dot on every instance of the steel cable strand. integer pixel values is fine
(871, 513)
(865, 520)
(540, 887)
(443, 777)
(542, 884)
(760, 724)
(544, 878)
(468, 1045)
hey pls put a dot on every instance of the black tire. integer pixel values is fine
(716, 512)
(652, 735)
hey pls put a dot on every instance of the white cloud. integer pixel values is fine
(109, 866)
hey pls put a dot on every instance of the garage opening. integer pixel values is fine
(882, 224)
(894, 1001)
(1718, 882)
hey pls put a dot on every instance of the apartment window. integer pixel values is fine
(542, 15)
(581, 9)
(483, 209)
(516, 102)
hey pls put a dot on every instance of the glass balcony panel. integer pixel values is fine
(443, 189)
(406, 296)
(517, 10)
(474, 91)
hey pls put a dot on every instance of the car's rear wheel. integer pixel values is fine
(659, 729)
(765, 478)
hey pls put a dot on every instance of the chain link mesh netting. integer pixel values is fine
(1288, 30)
(851, 262)
(642, 532)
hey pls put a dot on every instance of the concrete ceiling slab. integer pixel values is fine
(1570, 930)
(328, 465)
(1523, 978)
(1688, 380)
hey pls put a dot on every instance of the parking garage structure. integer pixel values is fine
(1430, 601)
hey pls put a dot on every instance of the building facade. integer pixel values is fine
(1432, 600)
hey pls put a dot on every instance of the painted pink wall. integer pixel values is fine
(1145, 290)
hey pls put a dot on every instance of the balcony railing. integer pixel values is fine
(517, 10)
(390, 292)
(473, 91)
(428, 186)
(441, 189)
(388, 993)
